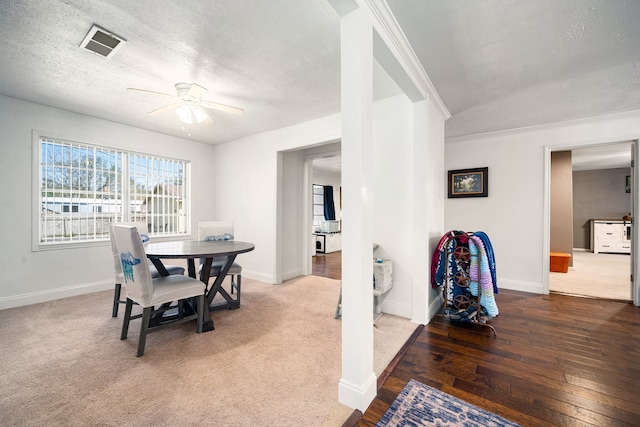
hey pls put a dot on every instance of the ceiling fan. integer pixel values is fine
(189, 105)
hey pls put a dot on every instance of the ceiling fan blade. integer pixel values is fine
(151, 92)
(208, 121)
(164, 109)
(222, 107)
(196, 91)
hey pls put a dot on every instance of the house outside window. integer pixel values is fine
(83, 188)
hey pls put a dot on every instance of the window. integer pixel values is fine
(318, 206)
(83, 188)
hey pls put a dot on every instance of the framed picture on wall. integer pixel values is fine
(468, 183)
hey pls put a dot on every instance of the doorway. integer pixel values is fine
(326, 258)
(600, 178)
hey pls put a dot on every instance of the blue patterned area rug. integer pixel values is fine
(421, 405)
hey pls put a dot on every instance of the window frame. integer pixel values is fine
(314, 204)
(37, 245)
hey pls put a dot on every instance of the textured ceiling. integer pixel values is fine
(504, 64)
(497, 64)
(277, 59)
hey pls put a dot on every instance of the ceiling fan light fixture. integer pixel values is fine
(184, 114)
(189, 106)
(199, 114)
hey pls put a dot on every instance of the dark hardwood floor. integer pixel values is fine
(328, 265)
(556, 361)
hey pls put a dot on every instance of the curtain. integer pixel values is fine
(329, 209)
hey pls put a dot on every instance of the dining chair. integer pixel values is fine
(220, 230)
(149, 293)
(144, 235)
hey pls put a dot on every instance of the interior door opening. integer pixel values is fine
(601, 209)
(326, 189)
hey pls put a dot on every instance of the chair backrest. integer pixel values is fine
(142, 228)
(117, 269)
(215, 230)
(137, 278)
(144, 235)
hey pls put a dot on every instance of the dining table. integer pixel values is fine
(193, 250)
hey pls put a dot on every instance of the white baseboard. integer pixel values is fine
(254, 275)
(396, 309)
(286, 275)
(516, 285)
(36, 297)
(435, 306)
(357, 397)
(54, 294)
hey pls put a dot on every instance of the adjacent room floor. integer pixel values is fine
(328, 265)
(595, 275)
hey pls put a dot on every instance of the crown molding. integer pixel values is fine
(392, 34)
(545, 126)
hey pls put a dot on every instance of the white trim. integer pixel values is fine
(422, 222)
(308, 244)
(291, 274)
(391, 32)
(259, 276)
(355, 397)
(635, 206)
(435, 305)
(546, 126)
(36, 181)
(54, 294)
(546, 230)
(35, 191)
(278, 209)
(396, 309)
(546, 218)
(518, 285)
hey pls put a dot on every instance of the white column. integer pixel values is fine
(357, 387)
(420, 231)
(436, 189)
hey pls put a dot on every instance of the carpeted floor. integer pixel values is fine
(595, 275)
(273, 362)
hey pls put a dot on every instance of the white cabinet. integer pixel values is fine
(328, 242)
(334, 242)
(610, 236)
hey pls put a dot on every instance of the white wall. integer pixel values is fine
(252, 161)
(239, 179)
(246, 178)
(513, 215)
(392, 196)
(30, 277)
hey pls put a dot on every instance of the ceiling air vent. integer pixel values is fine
(102, 42)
